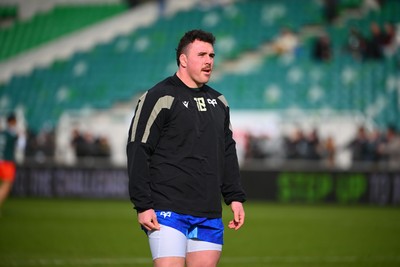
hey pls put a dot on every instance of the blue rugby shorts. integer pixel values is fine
(199, 228)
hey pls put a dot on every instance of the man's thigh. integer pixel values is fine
(169, 247)
(167, 242)
(204, 258)
(195, 245)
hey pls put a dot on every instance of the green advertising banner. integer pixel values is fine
(381, 188)
(343, 187)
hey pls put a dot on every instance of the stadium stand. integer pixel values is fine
(117, 70)
(44, 27)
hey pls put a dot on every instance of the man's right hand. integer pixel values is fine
(148, 220)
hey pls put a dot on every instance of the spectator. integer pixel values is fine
(40, 147)
(102, 147)
(374, 141)
(87, 146)
(359, 145)
(46, 144)
(390, 39)
(330, 10)
(375, 43)
(355, 44)
(296, 145)
(31, 144)
(391, 148)
(78, 143)
(255, 149)
(313, 146)
(286, 42)
(329, 151)
(322, 49)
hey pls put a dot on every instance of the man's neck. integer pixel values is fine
(182, 75)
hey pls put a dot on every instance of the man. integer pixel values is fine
(390, 147)
(8, 141)
(181, 158)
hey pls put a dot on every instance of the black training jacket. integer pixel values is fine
(181, 154)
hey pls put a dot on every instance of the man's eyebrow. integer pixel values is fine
(204, 53)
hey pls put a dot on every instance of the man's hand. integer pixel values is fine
(148, 220)
(238, 215)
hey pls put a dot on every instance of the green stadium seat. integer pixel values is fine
(119, 69)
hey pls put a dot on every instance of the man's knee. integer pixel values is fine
(169, 262)
(207, 258)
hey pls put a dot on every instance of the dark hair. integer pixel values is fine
(190, 37)
(11, 117)
(392, 128)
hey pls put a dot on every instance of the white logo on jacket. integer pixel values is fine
(212, 102)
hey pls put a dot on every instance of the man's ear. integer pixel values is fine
(183, 60)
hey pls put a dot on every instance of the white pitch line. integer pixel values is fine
(75, 262)
(310, 259)
(244, 260)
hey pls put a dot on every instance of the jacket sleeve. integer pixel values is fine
(144, 133)
(231, 187)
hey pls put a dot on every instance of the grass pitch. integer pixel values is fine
(60, 232)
